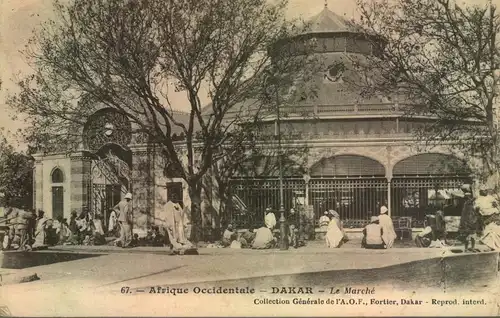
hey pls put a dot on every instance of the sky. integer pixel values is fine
(19, 18)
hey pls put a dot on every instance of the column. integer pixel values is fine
(311, 220)
(389, 204)
(38, 183)
(142, 186)
(80, 185)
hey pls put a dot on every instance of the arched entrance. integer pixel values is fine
(423, 182)
(107, 135)
(110, 178)
(352, 185)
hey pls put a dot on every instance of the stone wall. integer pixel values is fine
(142, 186)
(43, 182)
(80, 181)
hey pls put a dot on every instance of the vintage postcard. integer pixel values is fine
(249, 158)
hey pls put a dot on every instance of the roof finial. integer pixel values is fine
(326, 4)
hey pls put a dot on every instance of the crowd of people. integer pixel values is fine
(479, 221)
(28, 230)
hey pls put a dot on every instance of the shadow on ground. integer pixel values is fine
(445, 273)
(20, 260)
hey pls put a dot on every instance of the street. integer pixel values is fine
(90, 282)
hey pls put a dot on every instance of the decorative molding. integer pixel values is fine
(140, 138)
(107, 126)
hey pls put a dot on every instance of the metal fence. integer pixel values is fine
(417, 196)
(355, 199)
(259, 194)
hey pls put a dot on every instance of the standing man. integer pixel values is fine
(385, 221)
(293, 228)
(270, 219)
(171, 219)
(125, 219)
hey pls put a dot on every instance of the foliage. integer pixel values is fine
(16, 176)
(439, 58)
(129, 55)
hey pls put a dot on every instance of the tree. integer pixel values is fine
(257, 156)
(441, 58)
(16, 176)
(128, 55)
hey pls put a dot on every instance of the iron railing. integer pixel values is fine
(259, 194)
(355, 199)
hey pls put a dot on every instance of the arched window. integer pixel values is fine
(57, 176)
(347, 166)
(431, 164)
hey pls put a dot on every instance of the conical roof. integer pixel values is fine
(328, 21)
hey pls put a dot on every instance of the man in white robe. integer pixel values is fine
(335, 234)
(385, 221)
(171, 219)
(270, 219)
(125, 219)
(486, 203)
(264, 239)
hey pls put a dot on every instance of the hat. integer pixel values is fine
(128, 196)
(383, 210)
(373, 219)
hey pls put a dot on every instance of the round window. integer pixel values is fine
(335, 72)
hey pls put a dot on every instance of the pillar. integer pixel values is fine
(389, 204)
(38, 183)
(142, 186)
(80, 186)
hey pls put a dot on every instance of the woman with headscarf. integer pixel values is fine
(41, 228)
(323, 222)
(64, 232)
(334, 234)
(385, 221)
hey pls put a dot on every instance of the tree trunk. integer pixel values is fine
(196, 222)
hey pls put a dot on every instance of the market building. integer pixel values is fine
(361, 155)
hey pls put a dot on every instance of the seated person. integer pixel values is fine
(372, 235)
(135, 240)
(264, 239)
(228, 236)
(156, 239)
(440, 227)
(424, 238)
(335, 235)
(247, 238)
(97, 231)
